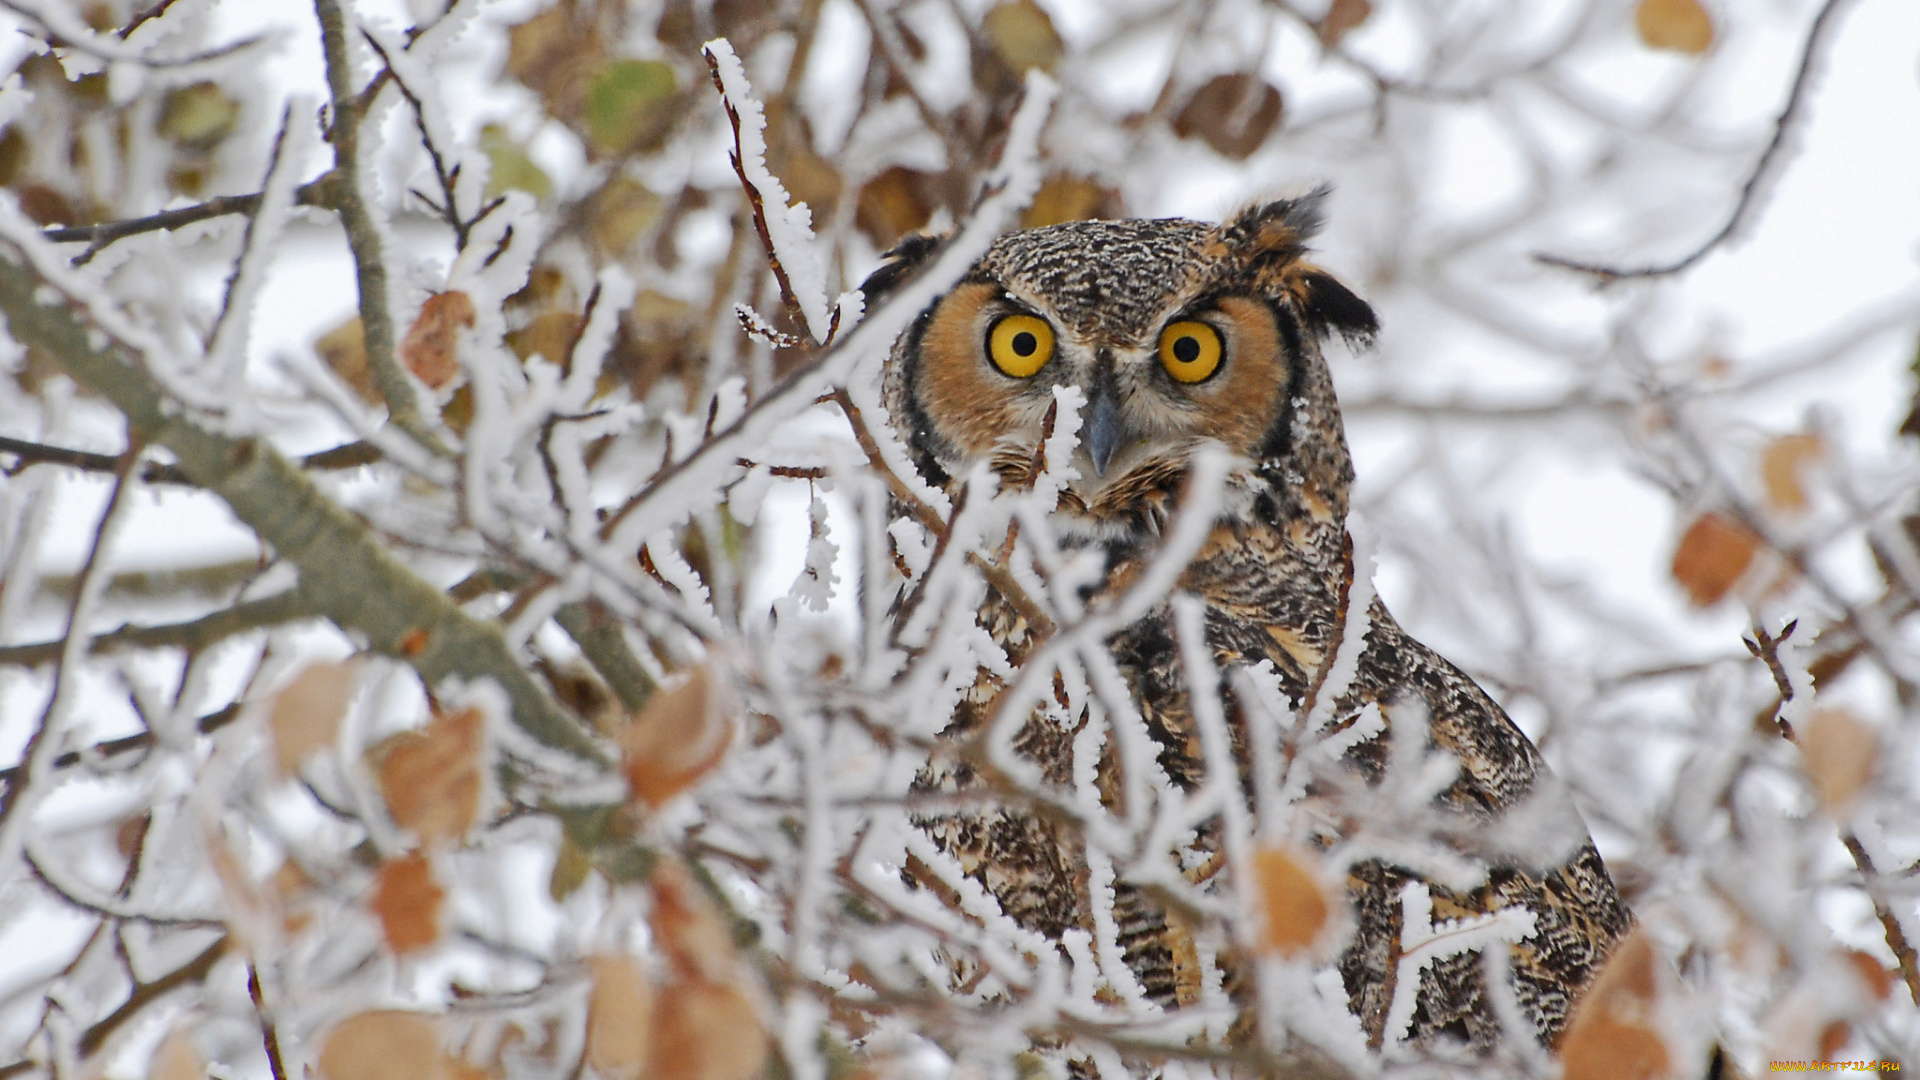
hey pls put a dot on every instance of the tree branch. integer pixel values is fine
(1765, 171)
(352, 578)
(192, 635)
(363, 237)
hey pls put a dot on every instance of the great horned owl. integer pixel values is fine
(1182, 334)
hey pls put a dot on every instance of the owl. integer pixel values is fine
(1181, 334)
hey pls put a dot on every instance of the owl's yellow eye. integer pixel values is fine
(1190, 351)
(1020, 345)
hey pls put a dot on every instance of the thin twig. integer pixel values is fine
(1764, 171)
(347, 456)
(363, 237)
(1767, 648)
(192, 635)
(144, 15)
(145, 994)
(447, 209)
(1889, 922)
(788, 297)
(268, 1034)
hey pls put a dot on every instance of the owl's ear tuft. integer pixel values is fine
(903, 260)
(1330, 306)
(1270, 235)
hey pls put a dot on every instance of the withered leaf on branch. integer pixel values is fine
(893, 204)
(1784, 466)
(681, 733)
(1341, 17)
(620, 1017)
(344, 349)
(1294, 907)
(1674, 25)
(430, 349)
(1714, 554)
(1021, 34)
(407, 900)
(432, 779)
(707, 1031)
(386, 1044)
(198, 115)
(1614, 1034)
(1068, 197)
(1838, 751)
(307, 712)
(1234, 114)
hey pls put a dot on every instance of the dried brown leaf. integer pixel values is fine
(681, 733)
(344, 349)
(1067, 197)
(1838, 752)
(406, 900)
(1784, 465)
(619, 1017)
(1022, 35)
(1873, 975)
(1234, 114)
(619, 212)
(307, 712)
(707, 1031)
(1675, 25)
(384, 1044)
(689, 931)
(1294, 907)
(550, 334)
(555, 54)
(893, 204)
(1613, 1034)
(1341, 17)
(430, 349)
(432, 779)
(1714, 554)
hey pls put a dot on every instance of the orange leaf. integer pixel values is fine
(1714, 554)
(1341, 17)
(406, 900)
(432, 779)
(384, 1045)
(307, 712)
(430, 346)
(1783, 467)
(1872, 974)
(707, 1031)
(1294, 906)
(1838, 751)
(687, 928)
(620, 1016)
(679, 735)
(1675, 25)
(1612, 1035)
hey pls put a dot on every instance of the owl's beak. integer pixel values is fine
(1104, 429)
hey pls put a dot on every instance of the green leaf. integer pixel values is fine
(630, 105)
(512, 169)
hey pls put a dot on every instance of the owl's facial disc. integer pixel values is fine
(1213, 370)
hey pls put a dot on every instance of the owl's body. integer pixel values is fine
(1181, 335)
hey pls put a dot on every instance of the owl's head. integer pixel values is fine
(1178, 333)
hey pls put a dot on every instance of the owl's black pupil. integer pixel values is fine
(1025, 343)
(1186, 349)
